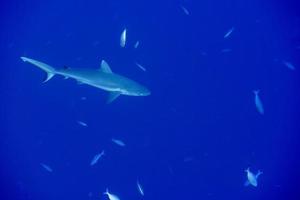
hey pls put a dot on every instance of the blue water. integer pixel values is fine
(192, 138)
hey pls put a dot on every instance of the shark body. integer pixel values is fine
(103, 78)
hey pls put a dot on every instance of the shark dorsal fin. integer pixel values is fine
(105, 67)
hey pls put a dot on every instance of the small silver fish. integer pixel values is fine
(252, 178)
(185, 10)
(82, 123)
(123, 38)
(288, 65)
(136, 45)
(229, 32)
(258, 102)
(118, 142)
(140, 188)
(140, 66)
(46, 167)
(111, 196)
(96, 158)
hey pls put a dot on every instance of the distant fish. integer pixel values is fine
(96, 158)
(140, 188)
(252, 178)
(288, 65)
(83, 98)
(140, 66)
(258, 103)
(185, 10)
(229, 32)
(188, 159)
(82, 123)
(226, 50)
(111, 196)
(118, 142)
(123, 38)
(46, 167)
(136, 45)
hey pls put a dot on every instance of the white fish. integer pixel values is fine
(140, 66)
(118, 142)
(185, 10)
(123, 38)
(289, 65)
(46, 167)
(82, 123)
(111, 196)
(136, 45)
(258, 103)
(140, 188)
(228, 33)
(96, 158)
(252, 178)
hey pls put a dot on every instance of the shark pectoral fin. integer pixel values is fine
(112, 96)
(49, 76)
(105, 67)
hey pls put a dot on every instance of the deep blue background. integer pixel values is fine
(201, 107)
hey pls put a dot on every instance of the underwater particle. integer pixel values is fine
(140, 188)
(229, 32)
(252, 178)
(46, 167)
(118, 142)
(288, 65)
(96, 158)
(140, 66)
(82, 123)
(123, 38)
(258, 102)
(111, 196)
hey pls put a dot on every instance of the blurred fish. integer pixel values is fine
(82, 123)
(46, 167)
(226, 50)
(111, 196)
(136, 45)
(140, 188)
(229, 32)
(96, 158)
(140, 66)
(252, 178)
(258, 103)
(185, 10)
(118, 142)
(288, 65)
(123, 38)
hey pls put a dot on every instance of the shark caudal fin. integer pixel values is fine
(47, 68)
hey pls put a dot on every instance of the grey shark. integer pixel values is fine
(103, 78)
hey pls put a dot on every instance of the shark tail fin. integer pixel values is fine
(47, 68)
(49, 76)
